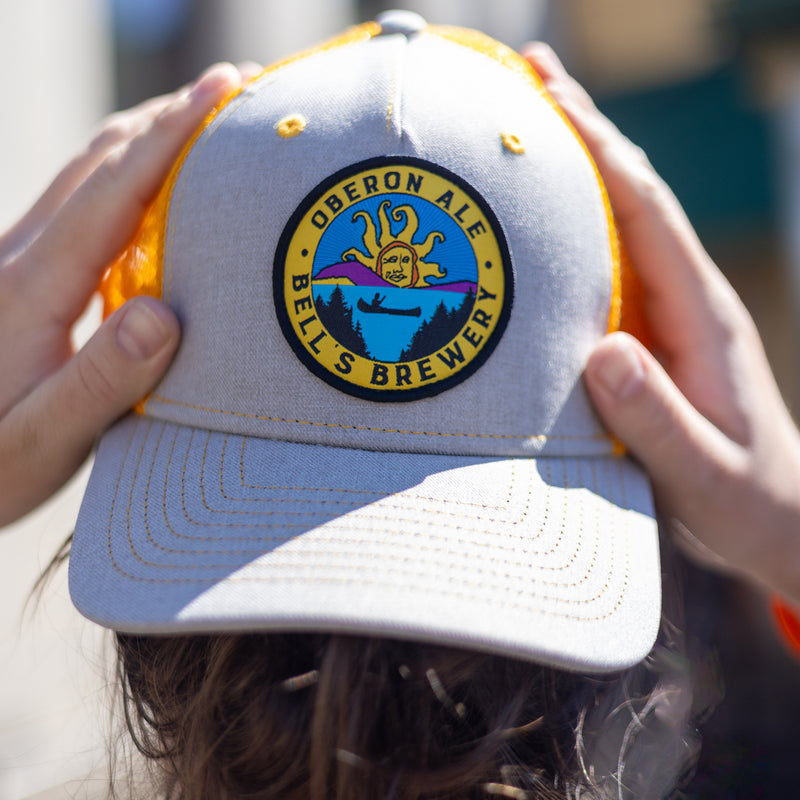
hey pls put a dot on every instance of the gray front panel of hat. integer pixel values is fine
(434, 100)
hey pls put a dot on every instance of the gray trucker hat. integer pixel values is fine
(391, 257)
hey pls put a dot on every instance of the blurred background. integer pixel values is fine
(709, 88)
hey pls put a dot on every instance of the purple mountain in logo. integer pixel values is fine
(361, 275)
(354, 271)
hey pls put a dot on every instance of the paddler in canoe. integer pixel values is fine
(376, 307)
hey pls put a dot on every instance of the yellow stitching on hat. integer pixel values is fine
(358, 543)
(539, 437)
(512, 142)
(364, 516)
(263, 538)
(291, 126)
(582, 517)
(146, 503)
(582, 497)
(491, 598)
(528, 538)
(114, 501)
(626, 524)
(333, 489)
(473, 587)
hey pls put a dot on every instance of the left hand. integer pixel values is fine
(53, 402)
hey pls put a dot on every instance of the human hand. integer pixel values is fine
(53, 402)
(701, 411)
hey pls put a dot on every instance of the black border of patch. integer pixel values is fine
(389, 395)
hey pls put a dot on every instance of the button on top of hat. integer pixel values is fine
(406, 23)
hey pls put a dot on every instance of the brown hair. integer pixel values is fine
(332, 716)
(317, 716)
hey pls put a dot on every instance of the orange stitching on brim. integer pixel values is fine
(491, 598)
(264, 418)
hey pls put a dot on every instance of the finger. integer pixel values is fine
(46, 437)
(684, 289)
(714, 492)
(249, 70)
(626, 171)
(685, 455)
(116, 129)
(67, 264)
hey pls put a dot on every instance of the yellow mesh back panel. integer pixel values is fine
(515, 62)
(139, 269)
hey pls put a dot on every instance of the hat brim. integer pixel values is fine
(551, 559)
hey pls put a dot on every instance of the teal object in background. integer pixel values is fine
(757, 16)
(711, 148)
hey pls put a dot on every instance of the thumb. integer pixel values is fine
(49, 433)
(684, 454)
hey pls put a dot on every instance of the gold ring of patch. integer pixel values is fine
(372, 378)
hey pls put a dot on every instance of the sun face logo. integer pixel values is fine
(392, 280)
(398, 261)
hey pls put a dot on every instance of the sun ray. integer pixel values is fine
(407, 215)
(385, 235)
(355, 253)
(429, 270)
(369, 237)
(425, 248)
(378, 239)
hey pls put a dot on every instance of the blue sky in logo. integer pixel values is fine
(455, 253)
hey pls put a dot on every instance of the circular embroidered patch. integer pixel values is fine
(392, 280)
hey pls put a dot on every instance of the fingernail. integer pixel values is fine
(141, 332)
(249, 69)
(546, 59)
(218, 77)
(619, 369)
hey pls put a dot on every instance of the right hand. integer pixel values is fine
(705, 416)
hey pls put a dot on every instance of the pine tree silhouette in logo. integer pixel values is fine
(443, 326)
(337, 317)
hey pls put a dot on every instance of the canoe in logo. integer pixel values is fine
(392, 280)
